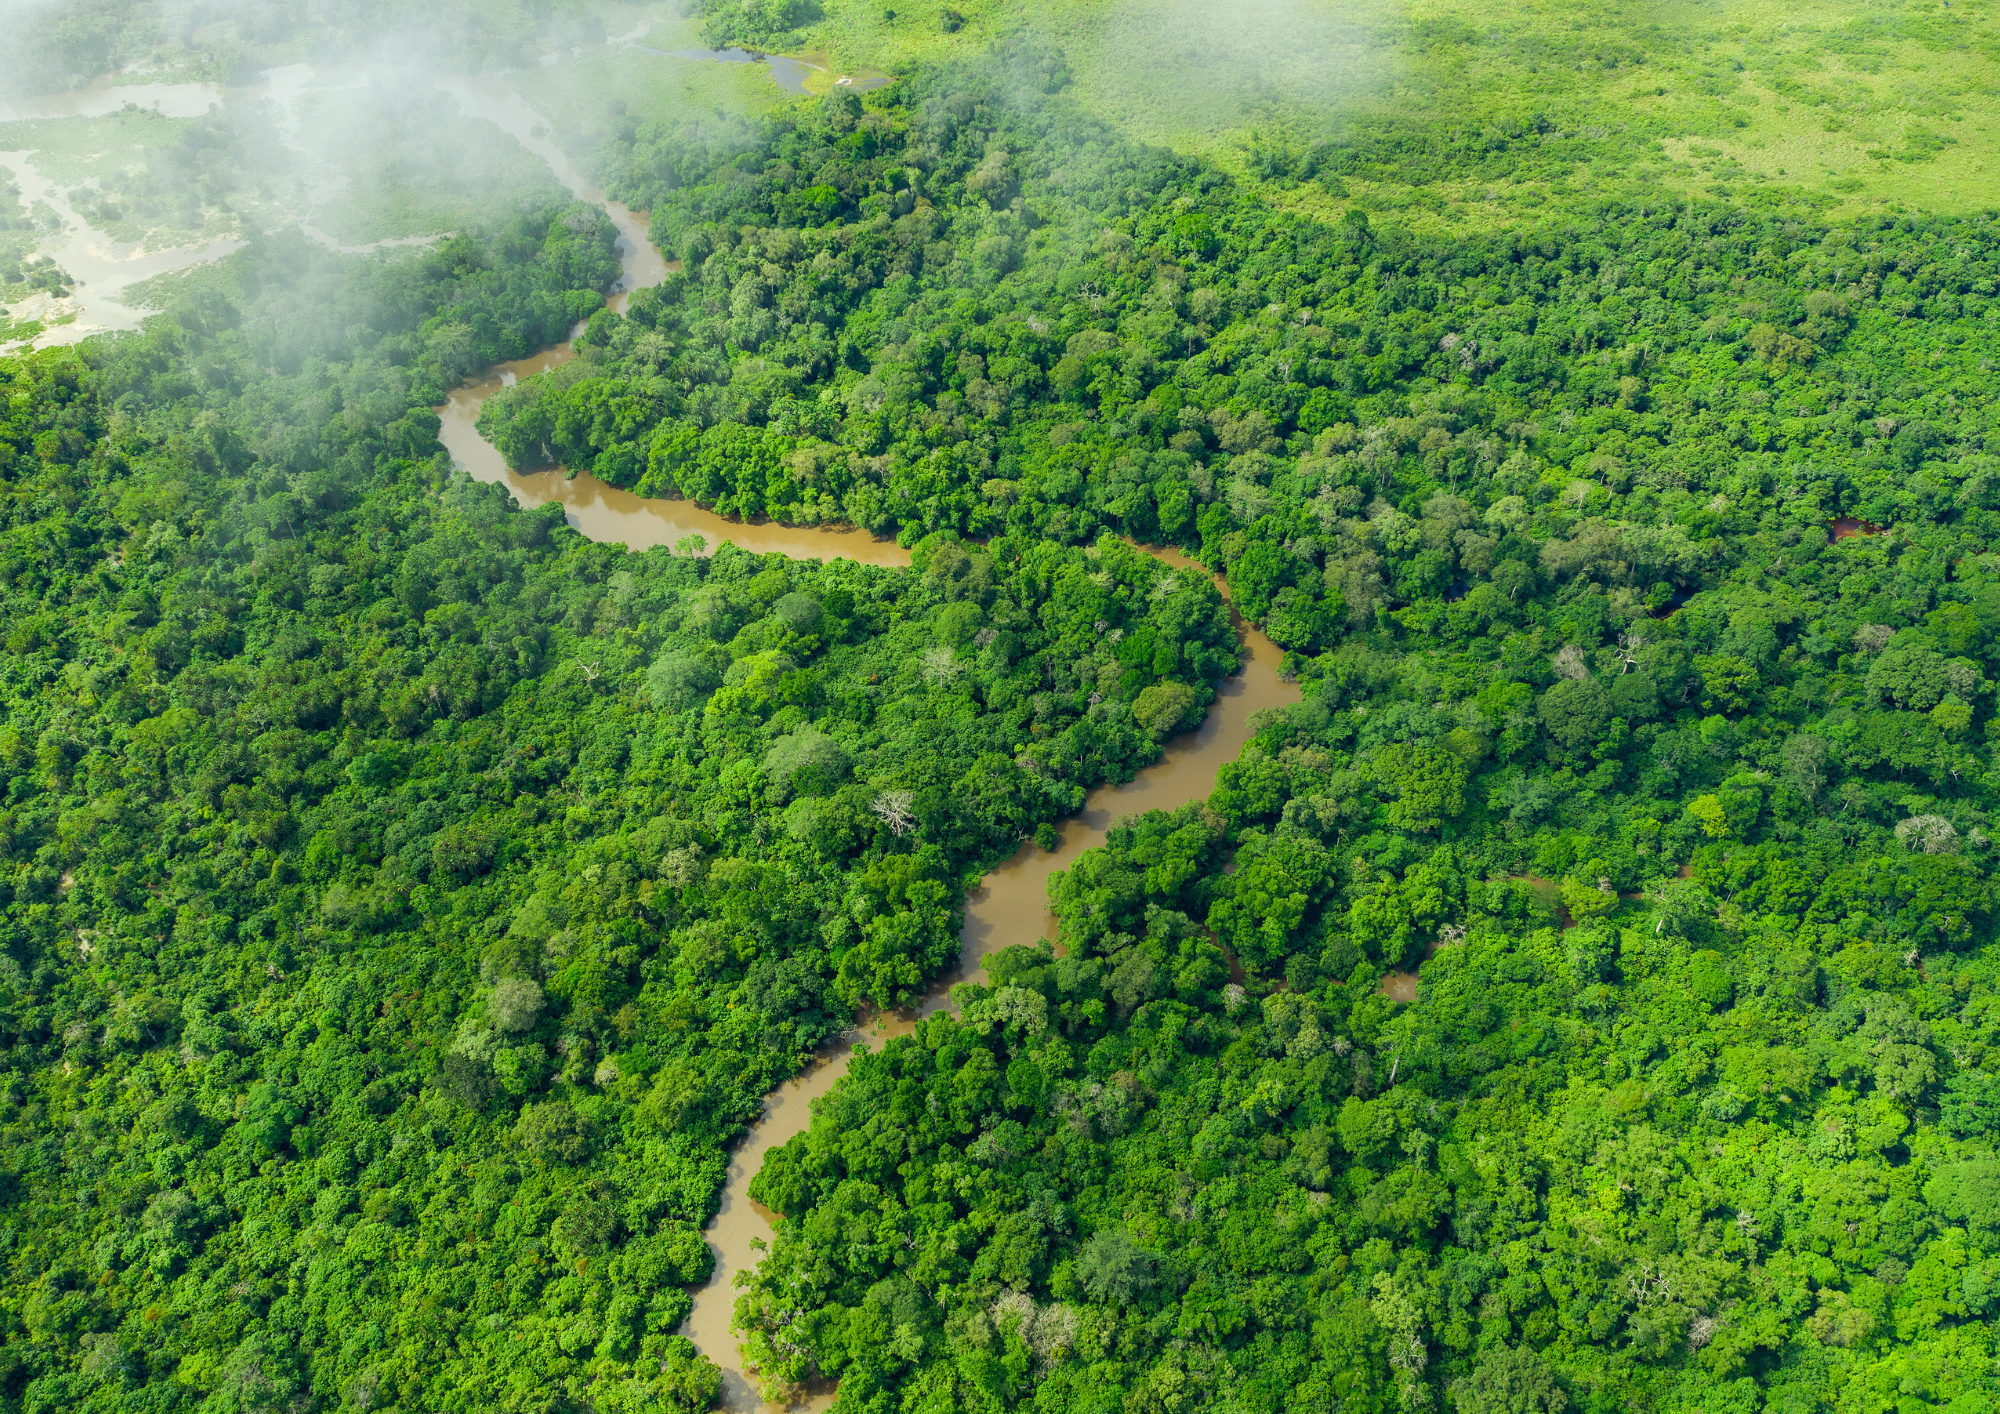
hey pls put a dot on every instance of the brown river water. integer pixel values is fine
(1011, 904)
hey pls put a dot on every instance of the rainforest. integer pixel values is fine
(1268, 748)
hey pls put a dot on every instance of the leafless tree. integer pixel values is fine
(941, 665)
(893, 808)
(1927, 834)
(1648, 1284)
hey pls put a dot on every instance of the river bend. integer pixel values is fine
(1011, 904)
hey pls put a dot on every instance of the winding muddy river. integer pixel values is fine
(1011, 904)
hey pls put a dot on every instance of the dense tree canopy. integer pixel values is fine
(407, 902)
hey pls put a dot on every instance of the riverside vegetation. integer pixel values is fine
(409, 901)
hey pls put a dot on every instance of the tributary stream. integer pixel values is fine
(103, 268)
(1011, 904)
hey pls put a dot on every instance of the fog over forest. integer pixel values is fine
(1118, 705)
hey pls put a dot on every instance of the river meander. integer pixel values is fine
(1011, 904)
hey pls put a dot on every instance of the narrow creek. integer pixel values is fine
(101, 266)
(1011, 904)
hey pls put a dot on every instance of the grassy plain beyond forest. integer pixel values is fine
(1452, 118)
(1468, 113)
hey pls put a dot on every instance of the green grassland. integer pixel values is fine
(1846, 106)
(1449, 116)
